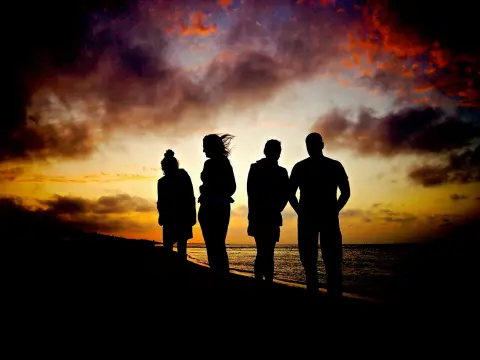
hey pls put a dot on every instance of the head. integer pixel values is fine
(315, 144)
(215, 145)
(272, 150)
(169, 162)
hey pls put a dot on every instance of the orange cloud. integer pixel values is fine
(424, 88)
(124, 78)
(225, 3)
(90, 178)
(197, 26)
(10, 174)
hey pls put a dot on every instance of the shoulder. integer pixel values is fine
(226, 162)
(208, 165)
(301, 164)
(332, 162)
(254, 166)
(282, 170)
(183, 172)
(161, 181)
(335, 165)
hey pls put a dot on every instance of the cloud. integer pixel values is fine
(445, 59)
(197, 25)
(225, 3)
(112, 71)
(462, 167)
(397, 217)
(458, 197)
(22, 176)
(412, 130)
(112, 68)
(422, 130)
(378, 215)
(289, 214)
(62, 215)
(114, 204)
(240, 211)
(10, 174)
(456, 226)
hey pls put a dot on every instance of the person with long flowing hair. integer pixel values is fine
(216, 191)
(176, 205)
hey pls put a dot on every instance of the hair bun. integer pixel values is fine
(169, 153)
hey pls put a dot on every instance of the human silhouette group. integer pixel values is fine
(269, 189)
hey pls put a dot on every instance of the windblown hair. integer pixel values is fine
(221, 143)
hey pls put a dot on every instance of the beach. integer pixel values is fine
(104, 284)
(62, 279)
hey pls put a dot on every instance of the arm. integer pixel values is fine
(292, 189)
(205, 177)
(344, 187)
(191, 200)
(159, 203)
(250, 186)
(233, 185)
(284, 190)
(252, 190)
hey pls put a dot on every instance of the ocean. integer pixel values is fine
(368, 270)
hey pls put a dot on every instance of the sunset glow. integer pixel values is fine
(398, 109)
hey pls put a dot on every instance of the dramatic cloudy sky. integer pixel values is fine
(96, 91)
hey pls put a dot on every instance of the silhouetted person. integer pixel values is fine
(268, 194)
(318, 178)
(176, 205)
(218, 186)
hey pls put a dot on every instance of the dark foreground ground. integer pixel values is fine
(95, 286)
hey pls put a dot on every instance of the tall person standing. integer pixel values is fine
(216, 191)
(319, 178)
(267, 188)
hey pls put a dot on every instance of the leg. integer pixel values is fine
(331, 246)
(221, 237)
(182, 248)
(204, 218)
(269, 266)
(259, 266)
(167, 239)
(308, 248)
(214, 220)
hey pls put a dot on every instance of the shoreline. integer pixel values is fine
(290, 283)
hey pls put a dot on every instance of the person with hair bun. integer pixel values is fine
(176, 205)
(218, 186)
